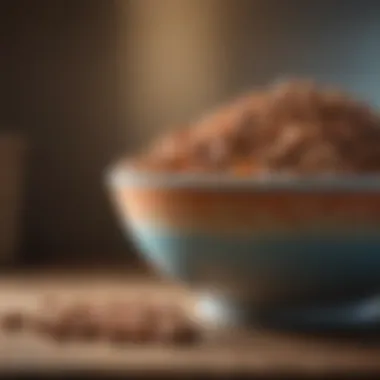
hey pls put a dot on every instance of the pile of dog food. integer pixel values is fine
(295, 127)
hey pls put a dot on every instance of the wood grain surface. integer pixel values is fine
(260, 353)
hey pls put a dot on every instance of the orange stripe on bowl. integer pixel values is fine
(243, 210)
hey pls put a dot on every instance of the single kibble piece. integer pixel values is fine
(59, 331)
(130, 323)
(173, 326)
(76, 322)
(187, 333)
(46, 316)
(13, 321)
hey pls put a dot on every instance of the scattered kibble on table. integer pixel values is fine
(116, 322)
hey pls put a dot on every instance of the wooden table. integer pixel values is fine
(254, 353)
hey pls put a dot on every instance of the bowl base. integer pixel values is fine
(358, 315)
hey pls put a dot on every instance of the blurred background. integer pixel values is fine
(85, 81)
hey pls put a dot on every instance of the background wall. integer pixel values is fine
(175, 61)
(59, 85)
(88, 79)
(332, 41)
(186, 56)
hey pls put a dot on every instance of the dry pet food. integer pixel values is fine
(116, 322)
(295, 127)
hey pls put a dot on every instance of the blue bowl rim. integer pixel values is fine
(121, 176)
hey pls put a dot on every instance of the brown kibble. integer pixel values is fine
(59, 331)
(13, 321)
(166, 322)
(185, 329)
(147, 323)
(187, 334)
(178, 331)
(69, 322)
(78, 322)
(46, 314)
(243, 169)
(112, 319)
(123, 322)
(119, 331)
(50, 325)
(173, 326)
(219, 151)
(165, 332)
(278, 127)
(214, 154)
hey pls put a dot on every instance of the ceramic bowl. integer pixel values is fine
(258, 246)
